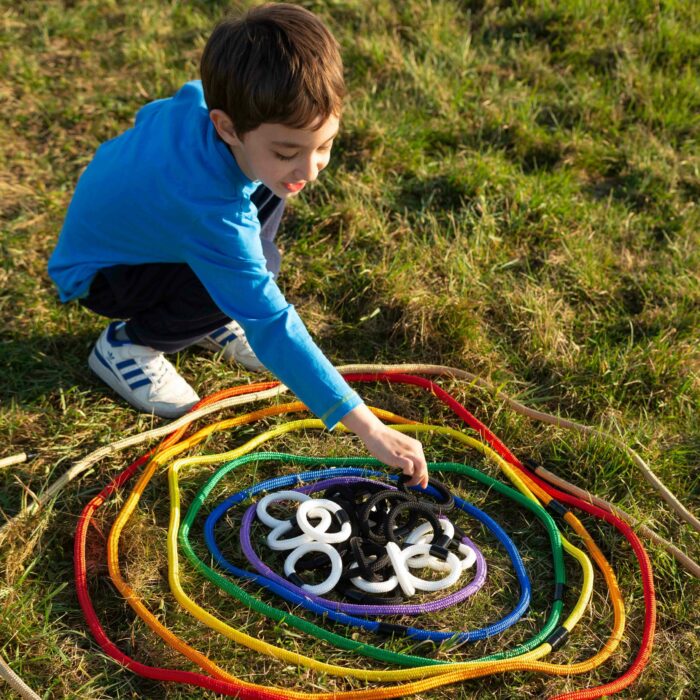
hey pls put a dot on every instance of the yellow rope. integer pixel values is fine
(444, 675)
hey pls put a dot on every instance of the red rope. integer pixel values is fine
(80, 567)
(227, 688)
(642, 657)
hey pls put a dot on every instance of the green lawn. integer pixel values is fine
(514, 192)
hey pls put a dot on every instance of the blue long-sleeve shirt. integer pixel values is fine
(170, 191)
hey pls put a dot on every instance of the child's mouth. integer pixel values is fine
(293, 186)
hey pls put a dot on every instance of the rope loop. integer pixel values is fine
(447, 499)
(329, 509)
(278, 544)
(277, 497)
(373, 516)
(410, 583)
(331, 580)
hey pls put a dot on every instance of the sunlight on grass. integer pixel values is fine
(514, 191)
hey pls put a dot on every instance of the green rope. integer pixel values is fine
(341, 641)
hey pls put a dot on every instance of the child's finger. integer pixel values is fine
(419, 476)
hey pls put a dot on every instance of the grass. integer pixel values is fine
(514, 192)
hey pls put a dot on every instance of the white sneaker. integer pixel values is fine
(230, 340)
(141, 375)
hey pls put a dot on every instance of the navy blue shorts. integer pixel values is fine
(165, 304)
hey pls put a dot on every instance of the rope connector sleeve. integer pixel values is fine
(443, 540)
(439, 552)
(559, 591)
(341, 517)
(295, 579)
(557, 638)
(557, 508)
(530, 464)
(459, 533)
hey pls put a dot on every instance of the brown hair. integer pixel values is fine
(278, 63)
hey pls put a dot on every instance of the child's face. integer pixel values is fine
(283, 158)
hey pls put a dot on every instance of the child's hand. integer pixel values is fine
(389, 446)
(399, 450)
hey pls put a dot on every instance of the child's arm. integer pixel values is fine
(389, 446)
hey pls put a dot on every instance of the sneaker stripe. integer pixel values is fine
(134, 373)
(139, 383)
(125, 363)
(218, 332)
(228, 339)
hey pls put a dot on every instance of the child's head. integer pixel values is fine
(278, 63)
(275, 76)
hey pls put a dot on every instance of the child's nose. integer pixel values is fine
(309, 170)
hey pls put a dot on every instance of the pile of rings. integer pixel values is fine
(359, 543)
(346, 541)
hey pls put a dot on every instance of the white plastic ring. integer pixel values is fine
(374, 586)
(308, 508)
(265, 501)
(336, 565)
(428, 561)
(424, 534)
(400, 569)
(277, 544)
(408, 582)
(469, 555)
(449, 580)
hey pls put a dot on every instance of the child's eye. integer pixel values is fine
(279, 156)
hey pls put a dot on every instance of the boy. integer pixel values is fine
(172, 225)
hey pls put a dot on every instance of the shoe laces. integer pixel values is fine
(156, 367)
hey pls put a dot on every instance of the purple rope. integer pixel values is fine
(355, 608)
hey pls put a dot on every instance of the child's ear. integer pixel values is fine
(224, 127)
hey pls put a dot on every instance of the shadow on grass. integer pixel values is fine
(379, 332)
(440, 192)
(642, 193)
(36, 370)
(37, 366)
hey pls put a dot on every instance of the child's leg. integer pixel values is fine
(167, 306)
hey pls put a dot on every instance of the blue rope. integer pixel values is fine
(372, 625)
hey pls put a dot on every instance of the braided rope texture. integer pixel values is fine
(538, 480)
